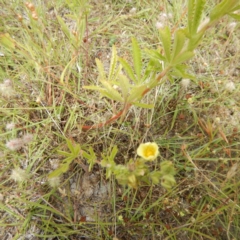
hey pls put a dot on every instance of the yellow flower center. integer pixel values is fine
(149, 151)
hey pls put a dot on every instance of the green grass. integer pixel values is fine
(53, 58)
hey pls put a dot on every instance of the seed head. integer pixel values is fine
(19, 175)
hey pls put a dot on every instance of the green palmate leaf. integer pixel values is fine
(70, 145)
(165, 36)
(65, 154)
(128, 69)
(155, 176)
(167, 168)
(195, 10)
(101, 69)
(179, 71)
(168, 181)
(179, 42)
(91, 158)
(194, 41)
(110, 92)
(124, 85)
(136, 93)
(68, 160)
(137, 58)
(224, 7)
(113, 63)
(7, 42)
(74, 148)
(235, 16)
(116, 73)
(155, 55)
(183, 57)
(153, 67)
(112, 95)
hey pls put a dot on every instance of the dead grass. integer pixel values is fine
(48, 101)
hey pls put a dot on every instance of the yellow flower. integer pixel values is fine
(148, 151)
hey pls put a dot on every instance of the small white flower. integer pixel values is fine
(230, 86)
(15, 144)
(148, 151)
(19, 175)
(10, 126)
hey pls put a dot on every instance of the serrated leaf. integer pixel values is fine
(124, 85)
(100, 69)
(7, 42)
(113, 63)
(66, 154)
(180, 72)
(152, 69)
(110, 92)
(183, 57)
(165, 36)
(224, 7)
(154, 54)
(114, 95)
(235, 16)
(143, 105)
(195, 10)
(194, 41)
(116, 73)
(136, 93)
(179, 42)
(137, 58)
(96, 88)
(128, 69)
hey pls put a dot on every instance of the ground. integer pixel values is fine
(195, 122)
